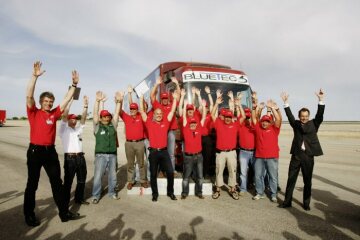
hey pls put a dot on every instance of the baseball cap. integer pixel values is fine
(222, 111)
(164, 95)
(228, 114)
(134, 106)
(192, 120)
(265, 118)
(247, 112)
(72, 116)
(105, 113)
(189, 107)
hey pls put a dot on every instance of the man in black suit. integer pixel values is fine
(305, 146)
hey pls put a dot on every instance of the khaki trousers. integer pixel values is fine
(229, 159)
(135, 150)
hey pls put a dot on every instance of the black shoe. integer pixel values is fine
(171, 196)
(82, 202)
(69, 216)
(306, 208)
(284, 205)
(183, 197)
(32, 221)
(155, 198)
(200, 196)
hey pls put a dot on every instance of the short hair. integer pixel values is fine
(48, 95)
(303, 110)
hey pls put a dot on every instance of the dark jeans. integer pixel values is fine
(193, 164)
(74, 165)
(47, 157)
(208, 152)
(161, 159)
(306, 164)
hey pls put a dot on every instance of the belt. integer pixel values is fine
(225, 150)
(247, 149)
(191, 154)
(157, 149)
(139, 140)
(43, 147)
(74, 154)
(106, 153)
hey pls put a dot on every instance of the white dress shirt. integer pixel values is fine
(71, 138)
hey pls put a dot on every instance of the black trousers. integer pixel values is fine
(208, 152)
(306, 164)
(47, 157)
(161, 159)
(74, 165)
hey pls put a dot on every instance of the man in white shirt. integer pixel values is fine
(74, 162)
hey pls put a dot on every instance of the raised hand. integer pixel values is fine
(130, 89)
(37, 69)
(86, 100)
(237, 101)
(320, 94)
(269, 103)
(262, 105)
(218, 93)
(230, 95)
(183, 92)
(197, 91)
(203, 103)
(207, 89)
(285, 97)
(254, 97)
(219, 100)
(75, 77)
(119, 96)
(193, 90)
(175, 96)
(100, 96)
(174, 80)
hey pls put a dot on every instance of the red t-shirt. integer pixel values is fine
(226, 134)
(134, 126)
(43, 125)
(192, 138)
(166, 110)
(246, 136)
(208, 125)
(266, 141)
(157, 132)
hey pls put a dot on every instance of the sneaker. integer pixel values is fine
(274, 199)
(95, 201)
(115, 197)
(258, 197)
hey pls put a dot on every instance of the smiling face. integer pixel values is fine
(72, 123)
(105, 120)
(46, 103)
(164, 101)
(193, 126)
(304, 115)
(265, 124)
(228, 120)
(158, 115)
(133, 112)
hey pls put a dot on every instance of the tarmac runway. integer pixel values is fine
(335, 206)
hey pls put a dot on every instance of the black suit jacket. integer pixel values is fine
(306, 133)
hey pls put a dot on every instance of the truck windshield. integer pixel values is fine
(245, 90)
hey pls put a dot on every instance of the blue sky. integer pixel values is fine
(296, 46)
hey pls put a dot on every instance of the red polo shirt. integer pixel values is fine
(43, 125)
(208, 124)
(166, 110)
(246, 136)
(266, 141)
(192, 138)
(157, 132)
(134, 126)
(226, 134)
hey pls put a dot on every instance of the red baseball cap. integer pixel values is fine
(105, 113)
(247, 112)
(134, 106)
(265, 118)
(222, 111)
(189, 107)
(72, 116)
(192, 120)
(164, 95)
(228, 114)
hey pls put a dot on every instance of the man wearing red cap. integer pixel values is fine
(105, 146)
(74, 162)
(267, 149)
(165, 106)
(134, 145)
(246, 143)
(157, 129)
(41, 151)
(193, 159)
(226, 139)
(304, 147)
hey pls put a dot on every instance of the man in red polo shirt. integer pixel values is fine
(157, 129)
(193, 159)
(134, 145)
(246, 143)
(226, 139)
(267, 149)
(165, 106)
(41, 151)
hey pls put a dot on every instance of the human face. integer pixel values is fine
(193, 126)
(228, 120)
(158, 115)
(190, 113)
(72, 123)
(46, 104)
(165, 101)
(265, 124)
(133, 112)
(304, 117)
(105, 120)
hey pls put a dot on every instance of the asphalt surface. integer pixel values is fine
(335, 206)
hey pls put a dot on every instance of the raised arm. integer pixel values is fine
(231, 101)
(198, 94)
(211, 102)
(239, 109)
(321, 108)
(285, 97)
(85, 110)
(71, 91)
(130, 91)
(173, 107)
(203, 114)
(218, 101)
(155, 89)
(181, 102)
(66, 111)
(119, 97)
(99, 97)
(273, 108)
(174, 80)
(37, 72)
(185, 113)
(141, 110)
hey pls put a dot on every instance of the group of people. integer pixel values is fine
(150, 144)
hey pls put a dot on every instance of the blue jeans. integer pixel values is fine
(245, 158)
(104, 162)
(171, 147)
(193, 164)
(271, 166)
